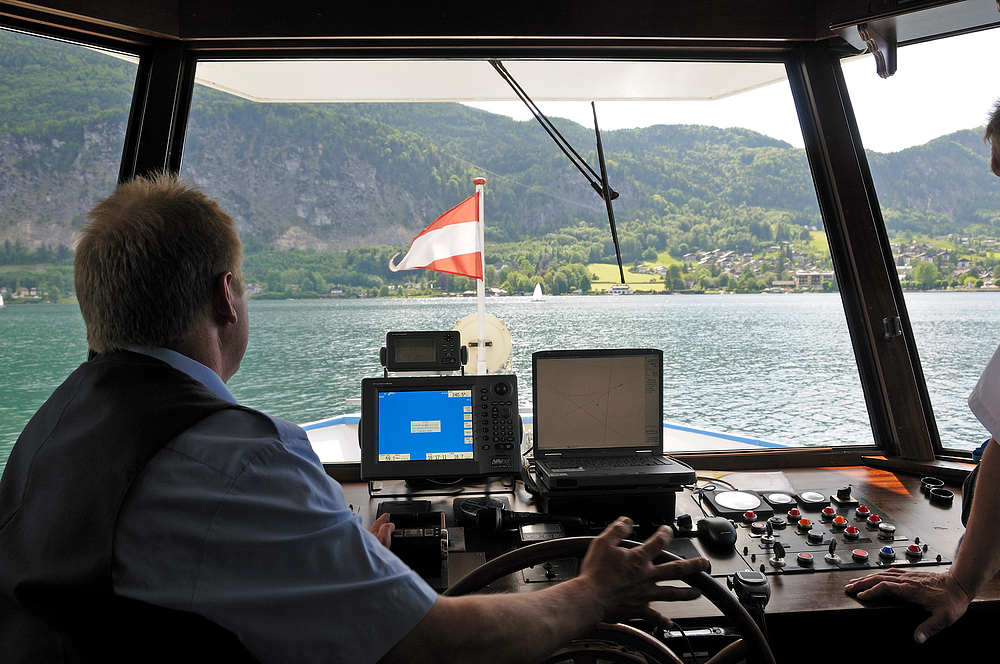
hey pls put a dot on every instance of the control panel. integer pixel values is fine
(808, 532)
(498, 424)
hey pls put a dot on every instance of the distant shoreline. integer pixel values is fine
(11, 302)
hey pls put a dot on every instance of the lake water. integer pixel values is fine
(776, 367)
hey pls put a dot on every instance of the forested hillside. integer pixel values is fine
(344, 176)
(942, 187)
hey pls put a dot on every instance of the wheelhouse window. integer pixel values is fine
(63, 112)
(922, 129)
(332, 167)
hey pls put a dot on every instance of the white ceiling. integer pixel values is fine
(469, 80)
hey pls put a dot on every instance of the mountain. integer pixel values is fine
(62, 115)
(943, 186)
(339, 176)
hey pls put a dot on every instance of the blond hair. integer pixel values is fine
(148, 260)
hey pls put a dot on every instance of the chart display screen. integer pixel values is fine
(425, 425)
(430, 428)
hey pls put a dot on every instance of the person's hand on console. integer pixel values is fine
(938, 593)
(626, 579)
(382, 528)
(948, 595)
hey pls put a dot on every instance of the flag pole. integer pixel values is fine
(481, 287)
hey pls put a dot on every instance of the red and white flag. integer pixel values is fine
(450, 244)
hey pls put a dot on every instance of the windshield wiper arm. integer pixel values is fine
(607, 193)
(598, 181)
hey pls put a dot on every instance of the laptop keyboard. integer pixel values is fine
(604, 462)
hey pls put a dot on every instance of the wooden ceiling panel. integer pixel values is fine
(713, 19)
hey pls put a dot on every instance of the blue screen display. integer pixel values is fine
(425, 425)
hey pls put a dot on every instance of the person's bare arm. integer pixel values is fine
(614, 584)
(947, 595)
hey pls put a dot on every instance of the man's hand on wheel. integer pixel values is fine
(626, 580)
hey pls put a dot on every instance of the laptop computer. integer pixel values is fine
(598, 420)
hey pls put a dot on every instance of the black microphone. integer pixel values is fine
(494, 519)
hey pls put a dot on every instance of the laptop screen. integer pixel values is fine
(597, 401)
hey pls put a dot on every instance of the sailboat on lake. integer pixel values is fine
(537, 296)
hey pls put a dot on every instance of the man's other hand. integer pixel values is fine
(938, 593)
(625, 580)
(383, 529)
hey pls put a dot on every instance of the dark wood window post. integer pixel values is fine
(155, 136)
(891, 376)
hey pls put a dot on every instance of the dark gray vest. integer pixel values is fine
(60, 496)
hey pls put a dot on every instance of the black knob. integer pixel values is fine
(940, 496)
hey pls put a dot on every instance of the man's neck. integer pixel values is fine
(204, 346)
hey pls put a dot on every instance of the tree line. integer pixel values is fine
(17, 253)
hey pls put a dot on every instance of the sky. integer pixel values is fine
(938, 88)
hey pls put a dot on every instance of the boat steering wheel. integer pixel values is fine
(621, 643)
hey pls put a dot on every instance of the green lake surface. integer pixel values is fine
(769, 366)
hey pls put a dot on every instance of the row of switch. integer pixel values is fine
(886, 554)
(839, 523)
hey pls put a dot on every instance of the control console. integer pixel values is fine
(808, 532)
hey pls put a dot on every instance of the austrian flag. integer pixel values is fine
(450, 244)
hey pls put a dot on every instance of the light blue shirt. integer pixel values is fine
(984, 402)
(236, 520)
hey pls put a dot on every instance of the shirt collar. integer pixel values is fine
(193, 368)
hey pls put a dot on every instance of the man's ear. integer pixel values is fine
(223, 304)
